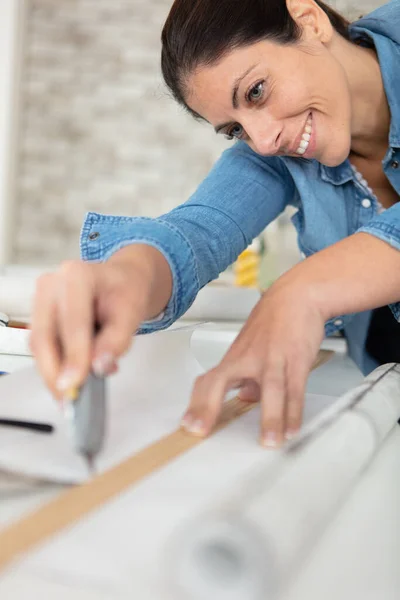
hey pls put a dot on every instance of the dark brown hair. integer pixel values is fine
(201, 32)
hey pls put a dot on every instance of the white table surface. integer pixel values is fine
(358, 558)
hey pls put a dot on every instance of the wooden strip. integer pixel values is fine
(72, 505)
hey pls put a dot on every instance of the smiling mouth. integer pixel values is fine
(305, 138)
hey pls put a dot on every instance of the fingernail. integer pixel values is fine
(195, 426)
(269, 439)
(290, 434)
(103, 365)
(67, 381)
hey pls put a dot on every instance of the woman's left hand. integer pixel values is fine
(269, 361)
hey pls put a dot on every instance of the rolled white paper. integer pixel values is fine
(16, 295)
(250, 545)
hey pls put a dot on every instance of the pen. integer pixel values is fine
(31, 426)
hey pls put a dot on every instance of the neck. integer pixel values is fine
(370, 110)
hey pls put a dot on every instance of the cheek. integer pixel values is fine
(293, 99)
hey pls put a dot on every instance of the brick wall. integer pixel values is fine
(98, 131)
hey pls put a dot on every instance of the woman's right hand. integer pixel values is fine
(134, 285)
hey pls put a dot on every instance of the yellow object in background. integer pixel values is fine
(247, 267)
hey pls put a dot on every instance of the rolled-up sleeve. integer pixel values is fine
(386, 227)
(199, 239)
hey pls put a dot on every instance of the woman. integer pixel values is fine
(314, 105)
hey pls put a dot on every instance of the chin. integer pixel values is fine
(336, 154)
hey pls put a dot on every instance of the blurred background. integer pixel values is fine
(86, 124)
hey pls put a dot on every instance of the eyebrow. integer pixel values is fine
(235, 90)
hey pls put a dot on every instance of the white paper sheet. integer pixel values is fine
(147, 398)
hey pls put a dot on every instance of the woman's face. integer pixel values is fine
(290, 100)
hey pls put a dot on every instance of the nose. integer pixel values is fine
(264, 135)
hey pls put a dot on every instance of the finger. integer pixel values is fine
(115, 337)
(75, 318)
(206, 402)
(43, 338)
(273, 399)
(249, 392)
(296, 388)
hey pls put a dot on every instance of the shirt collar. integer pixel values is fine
(337, 175)
(389, 59)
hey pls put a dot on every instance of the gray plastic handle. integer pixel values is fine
(89, 416)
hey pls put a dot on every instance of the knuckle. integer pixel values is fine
(205, 388)
(68, 265)
(73, 268)
(206, 379)
(274, 380)
(44, 283)
(274, 371)
(247, 366)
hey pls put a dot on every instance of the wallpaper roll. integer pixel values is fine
(14, 341)
(250, 545)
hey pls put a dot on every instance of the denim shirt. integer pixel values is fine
(244, 192)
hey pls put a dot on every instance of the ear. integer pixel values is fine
(311, 19)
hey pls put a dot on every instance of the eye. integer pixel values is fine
(236, 131)
(256, 92)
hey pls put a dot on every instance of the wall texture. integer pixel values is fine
(98, 131)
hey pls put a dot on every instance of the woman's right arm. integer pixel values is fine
(143, 274)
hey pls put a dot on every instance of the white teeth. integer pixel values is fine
(305, 138)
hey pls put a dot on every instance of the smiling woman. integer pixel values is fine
(313, 104)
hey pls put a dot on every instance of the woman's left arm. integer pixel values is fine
(271, 358)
